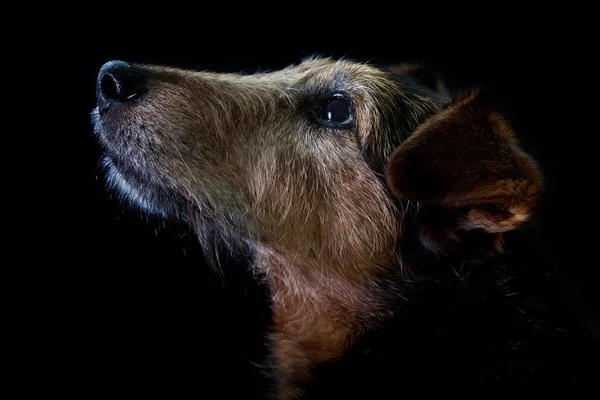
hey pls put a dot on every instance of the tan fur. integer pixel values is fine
(318, 217)
(237, 154)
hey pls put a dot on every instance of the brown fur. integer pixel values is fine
(465, 164)
(235, 153)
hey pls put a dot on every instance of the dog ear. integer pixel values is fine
(466, 160)
(421, 74)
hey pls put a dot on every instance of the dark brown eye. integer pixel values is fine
(337, 111)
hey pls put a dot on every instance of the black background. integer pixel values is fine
(96, 297)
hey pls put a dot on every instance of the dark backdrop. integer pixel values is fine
(96, 297)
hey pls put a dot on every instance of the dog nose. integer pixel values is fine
(118, 82)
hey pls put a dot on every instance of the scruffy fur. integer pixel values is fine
(344, 223)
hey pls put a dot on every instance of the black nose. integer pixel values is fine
(118, 82)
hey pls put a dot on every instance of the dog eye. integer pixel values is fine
(336, 111)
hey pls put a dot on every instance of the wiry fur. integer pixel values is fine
(251, 164)
(242, 158)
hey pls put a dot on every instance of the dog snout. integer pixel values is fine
(118, 82)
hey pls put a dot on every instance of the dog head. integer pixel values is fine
(292, 159)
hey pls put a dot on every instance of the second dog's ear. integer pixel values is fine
(466, 160)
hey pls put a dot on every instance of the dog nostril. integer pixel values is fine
(119, 82)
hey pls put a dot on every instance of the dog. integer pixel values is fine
(391, 223)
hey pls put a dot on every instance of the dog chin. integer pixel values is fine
(136, 194)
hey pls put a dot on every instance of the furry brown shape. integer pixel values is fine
(464, 165)
(254, 161)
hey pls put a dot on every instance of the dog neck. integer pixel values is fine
(319, 310)
(322, 244)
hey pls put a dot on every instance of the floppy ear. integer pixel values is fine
(466, 162)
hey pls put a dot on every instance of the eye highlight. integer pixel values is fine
(336, 111)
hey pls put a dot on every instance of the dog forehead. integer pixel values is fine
(328, 70)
